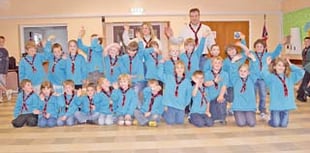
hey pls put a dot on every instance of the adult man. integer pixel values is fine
(301, 96)
(4, 65)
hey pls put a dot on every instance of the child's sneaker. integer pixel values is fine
(263, 116)
(135, 122)
(152, 123)
(8, 94)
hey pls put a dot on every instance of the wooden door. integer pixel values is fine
(225, 32)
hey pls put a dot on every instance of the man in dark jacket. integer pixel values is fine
(4, 65)
(301, 94)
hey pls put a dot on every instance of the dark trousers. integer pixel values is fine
(218, 110)
(303, 85)
(28, 119)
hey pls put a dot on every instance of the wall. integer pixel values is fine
(296, 19)
(76, 13)
(294, 5)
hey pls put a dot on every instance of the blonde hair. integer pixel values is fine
(23, 82)
(56, 45)
(133, 46)
(46, 84)
(30, 44)
(152, 81)
(189, 41)
(244, 65)
(91, 85)
(198, 72)
(275, 61)
(125, 77)
(181, 63)
(68, 83)
(149, 25)
(218, 58)
(174, 47)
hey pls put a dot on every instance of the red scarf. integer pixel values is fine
(260, 59)
(155, 57)
(73, 62)
(284, 85)
(173, 61)
(203, 95)
(131, 58)
(189, 57)
(215, 75)
(90, 54)
(243, 88)
(32, 62)
(112, 64)
(152, 101)
(24, 105)
(195, 32)
(108, 94)
(91, 103)
(45, 103)
(68, 102)
(124, 96)
(176, 92)
(147, 43)
(54, 64)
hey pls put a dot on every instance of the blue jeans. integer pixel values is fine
(245, 118)
(142, 120)
(229, 96)
(260, 87)
(47, 122)
(70, 121)
(82, 117)
(218, 110)
(279, 118)
(174, 116)
(201, 120)
(138, 87)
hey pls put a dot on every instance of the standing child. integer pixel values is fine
(48, 110)
(152, 107)
(174, 53)
(177, 93)
(57, 65)
(4, 66)
(214, 52)
(192, 55)
(280, 79)
(106, 108)
(152, 61)
(111, 62)
(90, 106)
(94, 56)
(243, 82)
(200, 115)
(31, 66)
(27, 106)
(260, 86)
(67, 105)
(125, 99)
(217, 79)
(75, 66)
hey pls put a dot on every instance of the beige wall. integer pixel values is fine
(294, 5)
(76, 13)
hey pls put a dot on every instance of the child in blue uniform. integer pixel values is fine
(174, 53)
(214, 52)
(27, 106)
(48, 106)
(177, 93)
(243, 81)
(31, 66)
(111, 62)
(75, 66)
(57, 65)
(94, 56)
(90, 106)
(191, 56)
(152, 107)
(125, 99)
(106, 110)
(217, 80)
(152, 61)
(67, 105)
(280, 79)
(200, 115)
(261, 55)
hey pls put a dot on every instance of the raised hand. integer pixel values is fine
(252, 56)
(51, 38)
(168, 32)
(82, 32)
(269, 59)
(126, 27)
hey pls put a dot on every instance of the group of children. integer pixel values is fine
(145, 85)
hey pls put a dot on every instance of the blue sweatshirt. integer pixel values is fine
(278, 100)
(215, 90)
(80, 70)
(34, 73)
(51, 106)
(84, 104)
(171, 99)
(156, 107)
(56, 67)
(30, 104)
(94, 55)
(72, 107)
(112, 68)
(128, 105)
(104, 107)
(199, 103)
(193, 59)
